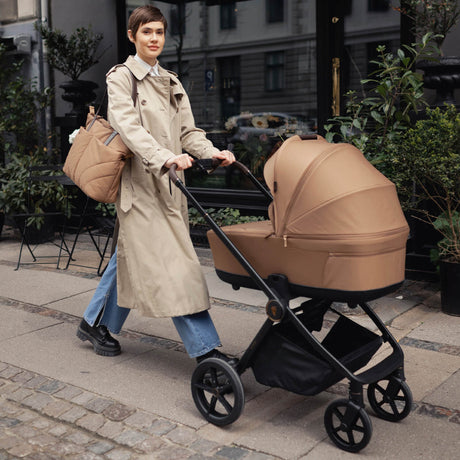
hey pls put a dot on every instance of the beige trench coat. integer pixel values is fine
(158, 271)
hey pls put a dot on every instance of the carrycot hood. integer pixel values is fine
(329, 190)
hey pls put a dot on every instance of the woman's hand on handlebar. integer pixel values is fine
(226, 156)
(183, 161)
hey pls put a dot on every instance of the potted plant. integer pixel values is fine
(437, 17)
(19, 196)
(72, 56)
(23, 144)
(427, 166)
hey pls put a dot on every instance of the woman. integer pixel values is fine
(158, 271)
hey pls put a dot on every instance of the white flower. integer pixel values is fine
(73, 135)
(260, 122)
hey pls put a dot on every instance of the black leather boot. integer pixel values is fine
(217, 354)
(103, 343)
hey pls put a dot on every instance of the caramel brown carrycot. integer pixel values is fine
(335, 224)
(336, 233)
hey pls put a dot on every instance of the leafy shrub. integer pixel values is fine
(222, 217)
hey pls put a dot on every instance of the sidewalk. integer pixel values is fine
(58, 399)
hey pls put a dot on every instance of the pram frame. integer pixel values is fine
(276, 288)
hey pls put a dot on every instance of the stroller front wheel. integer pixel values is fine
(348, 425)
(217, 391)
(391, 399)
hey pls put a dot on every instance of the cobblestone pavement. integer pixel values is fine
(42, 418)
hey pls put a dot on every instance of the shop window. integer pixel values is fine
(177, 21)
(378, 5)
(228, 16)
(275, 10)
(274, 71)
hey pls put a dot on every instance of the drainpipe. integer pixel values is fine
(45, 70)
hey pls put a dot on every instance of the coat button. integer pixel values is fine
(143, 102)
(145, 161)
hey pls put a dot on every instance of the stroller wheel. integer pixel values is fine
(391, 399)
(348, 425)
(217, 391)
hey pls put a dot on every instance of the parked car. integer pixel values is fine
(265, 125)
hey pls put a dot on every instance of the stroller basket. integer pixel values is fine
(285, 359)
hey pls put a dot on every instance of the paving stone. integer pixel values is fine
(83, 398)
(258, 456)
(20, 394)
(78, 437)
(37, 401)
(182, 435)
(23, 377)
(98, 405)
(43, 440)
(140, 419)
(21, 450)
(100, 447)
(151, 444)
(40, 423)
(85, 456)
(36, 382)
(58, 430)
(232, 452)
(68, 392)
(91, 422)
(9, 441)
(3, 366)
(63, 449)
(24, 431)
(56, 408)
(173, 452)
(118, 454)
(130, 438)
(161, 427)
(118, 412)
(26, 416)
(204, 446)
(8, 421)
(110, 429)
(73, 414)
(9, 372)
(52, 386)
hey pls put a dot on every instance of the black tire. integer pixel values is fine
(390, 399)
(348, 425)
(217, 391)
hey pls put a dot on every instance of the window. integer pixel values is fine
(274, 71)
(178, 19)
(275, 10)
(378, 5)
(228, 16)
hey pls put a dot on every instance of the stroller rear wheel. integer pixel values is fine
(217, 391)
(391, 399)
(348, 425)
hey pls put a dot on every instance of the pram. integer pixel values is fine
(336, 234)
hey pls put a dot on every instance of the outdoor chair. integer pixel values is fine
(95, 220)
(54, 221)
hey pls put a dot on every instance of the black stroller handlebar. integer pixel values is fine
(210, 164)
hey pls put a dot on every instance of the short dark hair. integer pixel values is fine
(143, 15)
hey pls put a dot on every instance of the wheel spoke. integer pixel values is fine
(351, 438)
(338, 414)
(203, 386)
(227, 406)
(394, 407)
(212, 405)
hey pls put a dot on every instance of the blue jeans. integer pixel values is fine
(197, 331)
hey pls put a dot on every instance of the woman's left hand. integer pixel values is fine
(226, 156)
